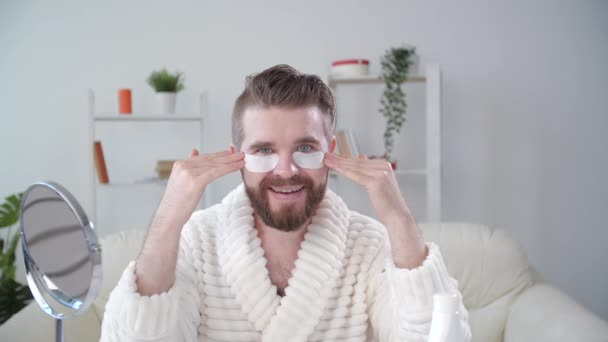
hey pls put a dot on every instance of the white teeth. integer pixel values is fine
(286, 190)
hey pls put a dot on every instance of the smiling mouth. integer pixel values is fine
(286, 189)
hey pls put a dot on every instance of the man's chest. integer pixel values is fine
(280, 271)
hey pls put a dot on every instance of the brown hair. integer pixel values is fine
(282, 86)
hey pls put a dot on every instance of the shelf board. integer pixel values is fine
(398, 172)
(145, 117)
(333, 81)
(152, 182)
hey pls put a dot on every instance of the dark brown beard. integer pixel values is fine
(288, 218)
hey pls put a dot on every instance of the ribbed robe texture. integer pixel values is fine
(344, 287)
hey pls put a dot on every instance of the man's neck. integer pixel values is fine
(281, 251)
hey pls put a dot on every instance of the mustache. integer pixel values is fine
(294, 180)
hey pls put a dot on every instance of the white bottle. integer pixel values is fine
(445, 324)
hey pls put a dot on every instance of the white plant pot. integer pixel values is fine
(166, 102)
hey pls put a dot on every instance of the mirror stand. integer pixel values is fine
(58, 330)
(61, 253)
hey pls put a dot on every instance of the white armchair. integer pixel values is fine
(506, 299)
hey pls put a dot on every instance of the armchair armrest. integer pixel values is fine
(544, 313)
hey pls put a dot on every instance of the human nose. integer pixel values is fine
(286, 167)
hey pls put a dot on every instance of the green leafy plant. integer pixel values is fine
(164, 81)
(13, 295)
(395, 64)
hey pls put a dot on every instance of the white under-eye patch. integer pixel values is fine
(309, 160)
(261, 164)
(267, 163)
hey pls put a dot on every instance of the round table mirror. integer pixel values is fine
(61, 253)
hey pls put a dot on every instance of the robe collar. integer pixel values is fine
(320, 260)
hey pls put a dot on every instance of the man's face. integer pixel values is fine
(286, 197)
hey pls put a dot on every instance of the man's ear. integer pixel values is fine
(332, 145)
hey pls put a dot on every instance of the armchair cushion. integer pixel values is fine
(117, 251)
(491, 269)
(544, 313)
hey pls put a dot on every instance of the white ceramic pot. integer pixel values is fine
(166, 102)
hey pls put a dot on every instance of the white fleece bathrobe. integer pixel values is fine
(345, 285)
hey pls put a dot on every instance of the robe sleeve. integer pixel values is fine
(401, 300)
(170, 316)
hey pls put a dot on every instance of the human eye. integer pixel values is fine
(305, 148)
(264, 150)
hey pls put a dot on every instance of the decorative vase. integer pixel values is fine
(124, 101)
(166, 101)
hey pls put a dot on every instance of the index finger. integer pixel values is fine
(214, 154)
(220, 158)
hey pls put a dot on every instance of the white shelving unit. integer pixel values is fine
(144, 117)
(432, 169)
(95, 118)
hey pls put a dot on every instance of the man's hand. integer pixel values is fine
(156, 264)
(378, 178)
(189, 179)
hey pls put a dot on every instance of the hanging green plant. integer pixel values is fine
(13, 296)
(395, 64)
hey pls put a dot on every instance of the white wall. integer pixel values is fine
(525, 105)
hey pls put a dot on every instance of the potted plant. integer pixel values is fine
(395, 64)
(166, 85)
(13, 295)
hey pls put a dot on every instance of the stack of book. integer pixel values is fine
(164, 167)
(347, 143)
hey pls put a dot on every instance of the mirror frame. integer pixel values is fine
(35, 277)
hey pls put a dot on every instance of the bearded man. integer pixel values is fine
(281, 258)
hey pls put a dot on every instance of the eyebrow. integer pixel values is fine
(308, 140)
(260, 144)
(305, 140)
